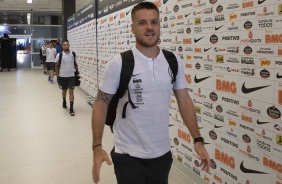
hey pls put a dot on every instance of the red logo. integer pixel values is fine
(280, 97)
(249, 149)
(250, 34)
(226, 86)
(188, 78)
(263, 132)
(199, 90)
(250, 103)
(264, 9)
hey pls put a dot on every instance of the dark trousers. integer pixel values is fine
(132, 170)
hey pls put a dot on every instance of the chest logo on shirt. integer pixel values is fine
(138, 90)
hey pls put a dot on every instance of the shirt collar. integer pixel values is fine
(138, 53)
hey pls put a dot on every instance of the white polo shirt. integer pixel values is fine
(67, 64)
(50, 55)
(43, 49)
(144, 132)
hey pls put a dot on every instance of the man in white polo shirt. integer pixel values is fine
(141, 151)
(66, 69)
(50, 62)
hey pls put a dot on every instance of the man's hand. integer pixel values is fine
(202, 152)
(99, 156)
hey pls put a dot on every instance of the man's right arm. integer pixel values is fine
(57, 65)
(99, 113)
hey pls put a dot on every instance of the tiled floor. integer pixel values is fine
(39, 142)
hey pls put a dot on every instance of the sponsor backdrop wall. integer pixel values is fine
(232, 52)
(82, 38)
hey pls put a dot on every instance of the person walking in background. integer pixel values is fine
(43, 55)
(14, 54)
(50, 62)
(66, 67)
(141, 152)
(5, 52)
(59, 46)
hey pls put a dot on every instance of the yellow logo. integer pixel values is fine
(198, 21)
(179, 158)
(219, 58)
(280, 9)
(198, 109)
(279, 139)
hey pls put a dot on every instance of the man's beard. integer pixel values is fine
(145, 44)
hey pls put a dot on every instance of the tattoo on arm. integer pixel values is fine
(104, 97)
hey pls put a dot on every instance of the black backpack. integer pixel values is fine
(77, 81)
(125, 76)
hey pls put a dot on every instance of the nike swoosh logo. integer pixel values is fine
(249, 171)
(215, 126)
(171, 125)
(250, 90)
(196, 40)
(115, 16)
(136, 75)
(127, 12)
(186, 15)
(217, 28)
(206, 143)
(278, 76)
(261, 1)
(261, 123)
(201, 79)
(205, 50)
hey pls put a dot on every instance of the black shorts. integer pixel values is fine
(50, 65)
(66, 82)
(130, 170)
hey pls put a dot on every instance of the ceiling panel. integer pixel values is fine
(37, 5)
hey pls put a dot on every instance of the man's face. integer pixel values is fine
(146, 27)
(66, 46)
(50, 45)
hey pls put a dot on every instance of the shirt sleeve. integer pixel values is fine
(110, 81)
(180, 78)
(57, 58)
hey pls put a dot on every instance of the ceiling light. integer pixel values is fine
(29, 1)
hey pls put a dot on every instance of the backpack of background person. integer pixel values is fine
(125, 76)
(77, 77)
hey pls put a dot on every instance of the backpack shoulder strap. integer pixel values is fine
(126, 72)
(173, 64)
(60, 59)
(75, 63)
(74, 55)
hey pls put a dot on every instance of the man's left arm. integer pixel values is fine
(75, 65)
(187, 111)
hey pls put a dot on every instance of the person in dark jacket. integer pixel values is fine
(5, 52)
(14, 54)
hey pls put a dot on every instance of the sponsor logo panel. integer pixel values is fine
(256, 89)
(248, 168)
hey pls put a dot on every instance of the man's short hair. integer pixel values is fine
(65, 41)
(142, 6)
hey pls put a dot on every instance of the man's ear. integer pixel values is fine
(132, 29)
